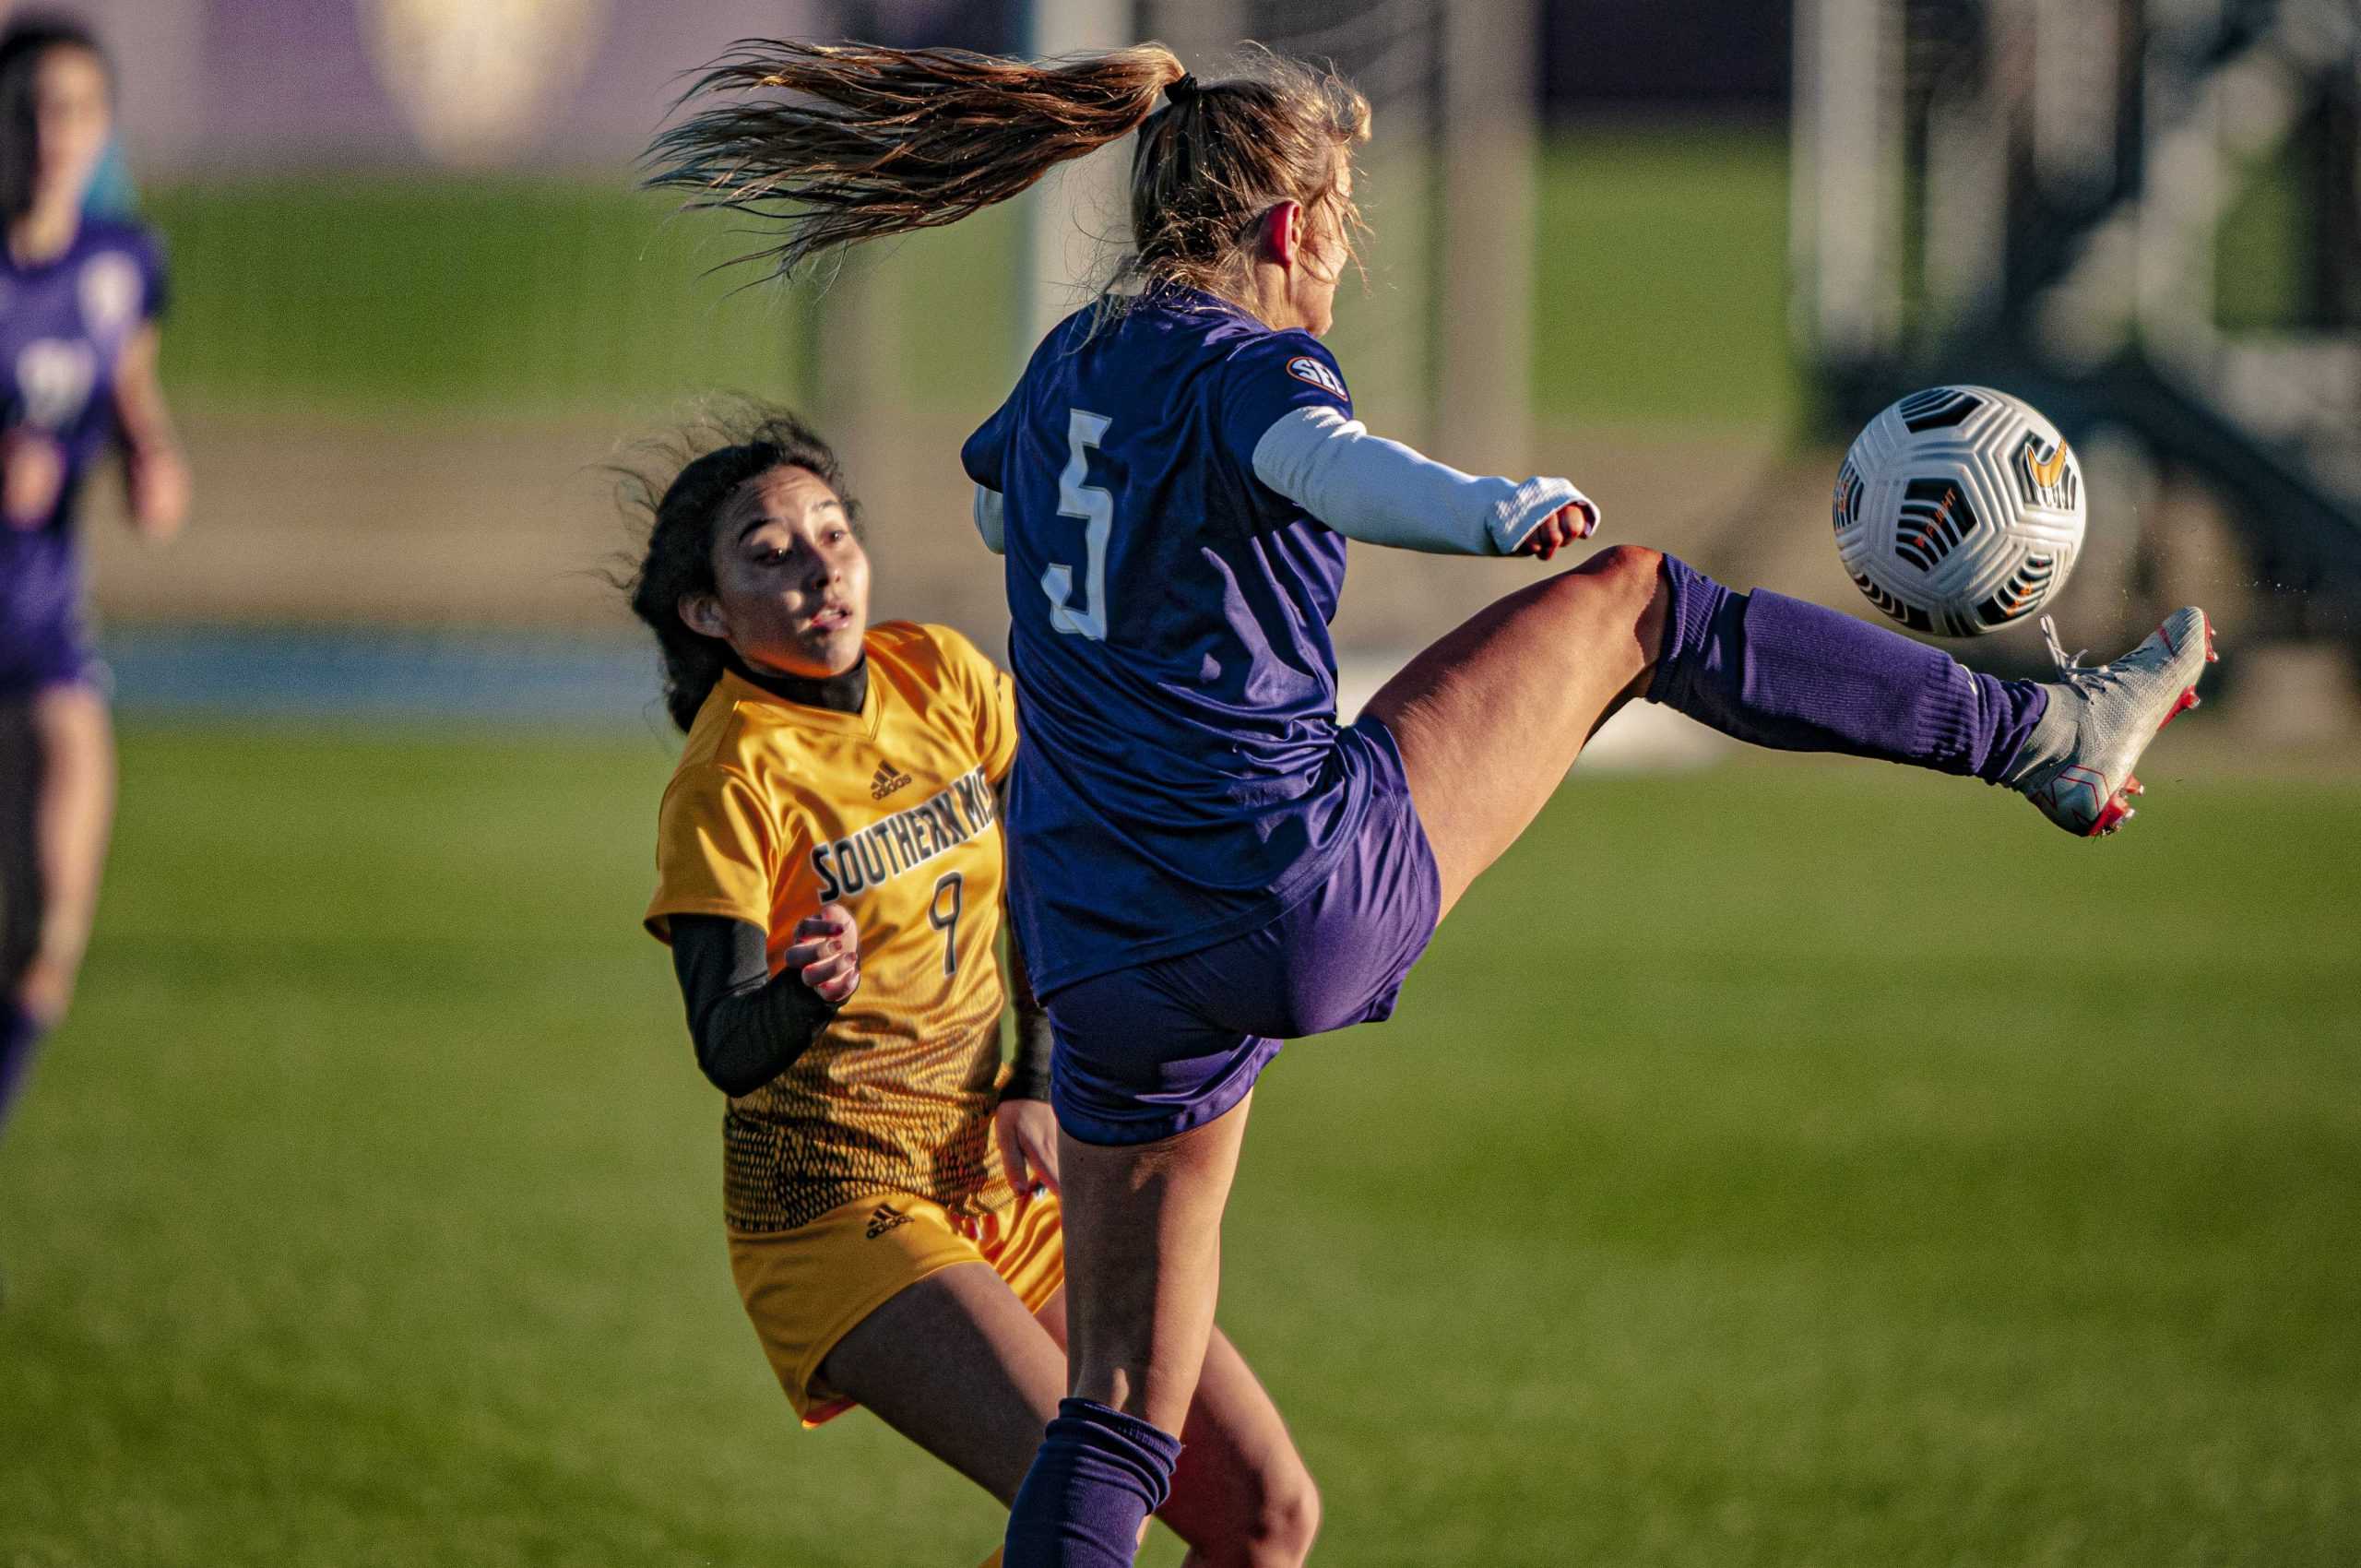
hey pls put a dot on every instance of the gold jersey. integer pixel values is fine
(778, 808)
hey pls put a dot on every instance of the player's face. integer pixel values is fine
(791, 581)
(71, 118)
(1326, 253)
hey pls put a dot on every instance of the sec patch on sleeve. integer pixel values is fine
(1304, 368)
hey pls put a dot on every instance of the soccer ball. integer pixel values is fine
(1959, 511)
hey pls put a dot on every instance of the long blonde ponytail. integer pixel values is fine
(862, 141)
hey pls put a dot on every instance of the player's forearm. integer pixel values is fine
(1028, 1074)
(748, 1025)
(157, 476)
(146, 424)
(140, 407)
(1384, 493)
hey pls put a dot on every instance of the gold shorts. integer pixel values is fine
(805, 1289)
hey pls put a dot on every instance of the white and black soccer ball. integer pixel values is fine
(1959, 511)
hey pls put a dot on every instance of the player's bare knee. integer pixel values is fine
(1634, 574)
(1632, 568)
(1616, 591)
(1287, 1518)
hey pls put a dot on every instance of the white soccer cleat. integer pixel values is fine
(2084, 784)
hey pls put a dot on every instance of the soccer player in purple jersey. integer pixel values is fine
(1204, 861)
(79, 299)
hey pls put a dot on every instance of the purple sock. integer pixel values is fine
(19, 1035)
(1779, 672)
(1098, 1476)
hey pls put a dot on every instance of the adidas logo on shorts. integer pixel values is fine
(886, 781)
(885, 1219)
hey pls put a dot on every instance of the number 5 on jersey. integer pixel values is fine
(1095, 506)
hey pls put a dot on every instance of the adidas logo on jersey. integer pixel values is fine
(886, 781)
(886, 1217)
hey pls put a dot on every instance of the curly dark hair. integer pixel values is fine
(680, 485)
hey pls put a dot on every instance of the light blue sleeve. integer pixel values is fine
(990, 520)
(1384, 493)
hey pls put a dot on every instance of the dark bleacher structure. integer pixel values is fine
(2145, 215)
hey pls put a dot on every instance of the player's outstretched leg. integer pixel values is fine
(1490, 719)
(1795, 676)
(1781, 672)
(2076, 766)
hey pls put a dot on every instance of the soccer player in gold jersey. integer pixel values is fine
(829, 879)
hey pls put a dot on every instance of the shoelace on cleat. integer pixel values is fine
(2071, 667)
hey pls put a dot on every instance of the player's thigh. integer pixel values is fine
(1490, 719)
(956, 1363)
(71, 726)
(1142, 1232)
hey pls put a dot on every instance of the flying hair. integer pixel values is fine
(826, 145)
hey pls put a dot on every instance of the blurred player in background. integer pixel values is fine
(829, 878)
(1205, 862)
(112, 192)
(81, 297)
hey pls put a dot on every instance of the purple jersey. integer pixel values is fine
(1180, 778)
(63, 324)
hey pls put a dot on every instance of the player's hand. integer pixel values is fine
(1577, 519)
(32, 468)
(1027, 1130)
(45, 988)
(826, 953)
(158, 481)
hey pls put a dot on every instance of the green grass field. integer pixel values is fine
(1793, 1164)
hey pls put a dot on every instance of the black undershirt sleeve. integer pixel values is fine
(1028, 1075)
(748, 1025)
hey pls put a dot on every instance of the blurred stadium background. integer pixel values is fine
(419, 303)
(1767, 1168)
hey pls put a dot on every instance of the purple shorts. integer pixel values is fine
(1145, 1053)
(34, 658)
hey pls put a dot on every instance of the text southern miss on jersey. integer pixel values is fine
(906, 841)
